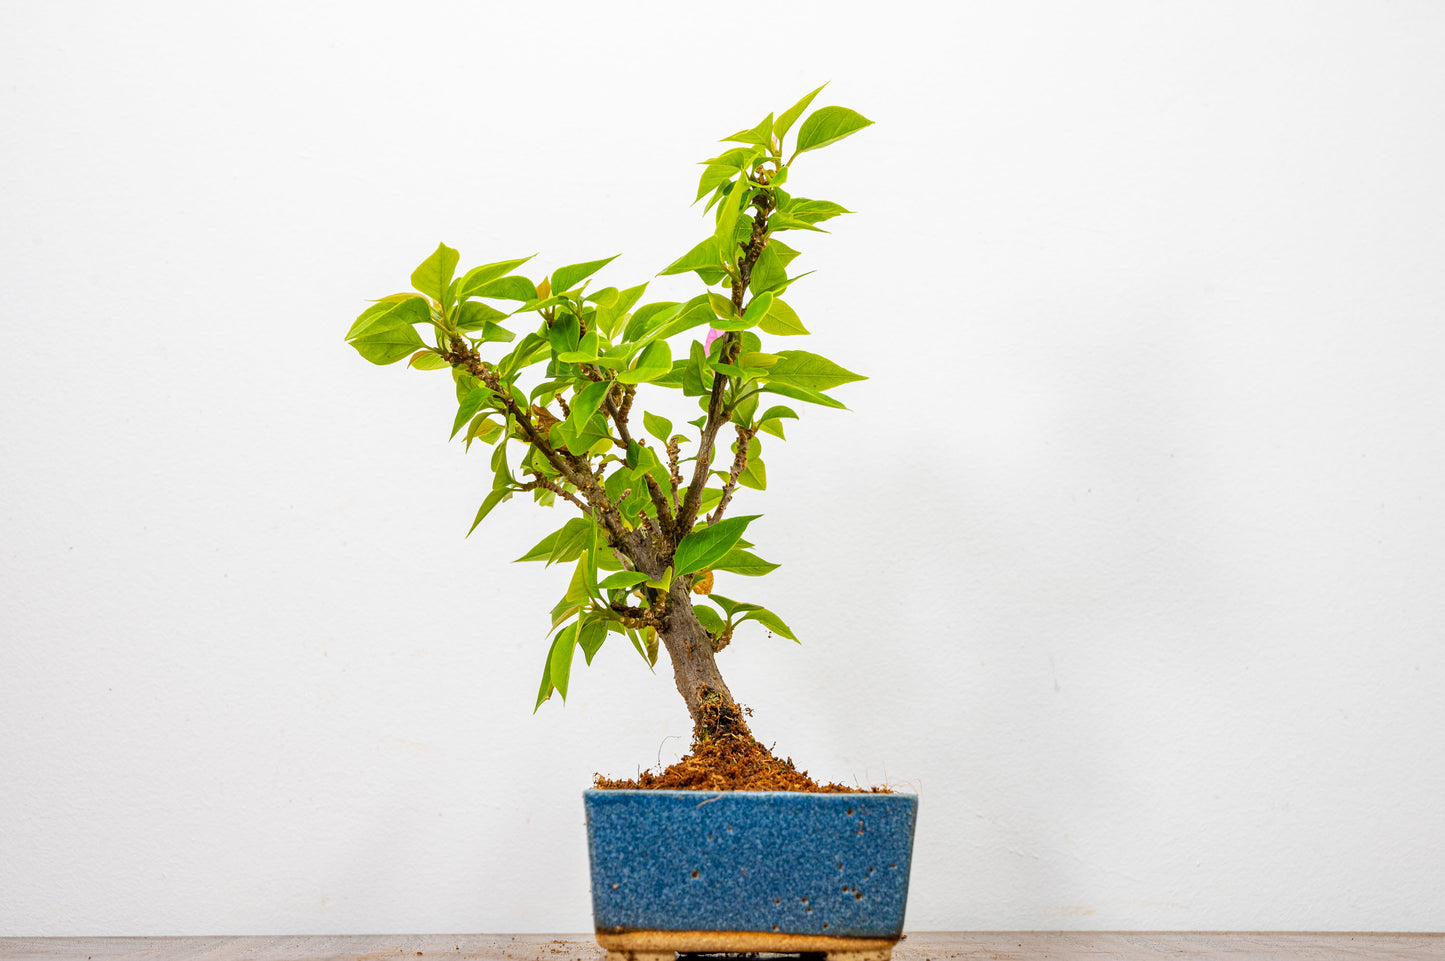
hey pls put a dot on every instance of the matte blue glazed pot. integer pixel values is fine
(749, 871)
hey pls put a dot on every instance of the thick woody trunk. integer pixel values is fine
(694, 668)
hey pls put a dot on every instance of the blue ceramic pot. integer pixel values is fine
(749, 870)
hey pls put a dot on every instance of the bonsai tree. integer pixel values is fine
(561, 407)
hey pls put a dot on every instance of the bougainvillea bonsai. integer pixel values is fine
(561, 407)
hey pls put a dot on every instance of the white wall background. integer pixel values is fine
(1129, 557)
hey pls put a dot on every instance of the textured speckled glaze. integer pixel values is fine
(833, 865)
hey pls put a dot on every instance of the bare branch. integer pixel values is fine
(740, 464)
(541, 483)
(664, 512)
(674, 451)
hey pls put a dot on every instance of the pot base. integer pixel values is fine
(662, 945)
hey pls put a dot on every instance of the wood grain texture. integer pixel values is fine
(932, 946)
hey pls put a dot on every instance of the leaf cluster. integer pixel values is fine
(547, 372)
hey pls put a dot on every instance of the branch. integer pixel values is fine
(640, 617)
(674, 451)
(619, 417)
(574, 468)
(541, 483)
(740, 464)
(629, 392)
(731, 341)
(617, 413)
(664, 512)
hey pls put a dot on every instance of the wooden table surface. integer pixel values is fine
(930, 946)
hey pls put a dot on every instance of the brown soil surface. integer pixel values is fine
(732, 762)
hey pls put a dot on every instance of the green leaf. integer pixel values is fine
(722, 306)
(390, 311)
(779, 222)
(618, 357)
(781, 320)
(702, 257)
(758, 135)
(428, 359)
(738, 158)
(565, 278)
(779, 289)
(508, 288)
(727, 221)
(785, 254)
(564, 335)
(622, 580)
(478, 277)
(603, 298)
(771, 621)
(593, 632)
(559, 659)
(610, 317)
(648, 463)
(798, 368)
(731, 607)
(483, 429)
(579, 589)
(697, 376)
(810, 396)
(754, 475)
(663, 583)
(496, 333)
(744, 563)
(626, 298)
(756, 360)
(493, 499)
(549, 388)
(384, 334)
(585, 404)
(434, 276)
(649, 317)
(813, 211)
(542, 303)
(654, 361)
(768, 272)
(700, 549)
(709, 618)
(758, 308)
(545, 691)
(790, 116)
(559, 545)
(586, 352)
(502, 474)
(475, 315)
(649, 646)
(673, 379)
(530, 350)
(659, 427)
(571, 541)
(778, 412)
(694, 313)
(469, 405)
(829, 125)
(714, 176)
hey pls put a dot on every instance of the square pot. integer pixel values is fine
(755, 871)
